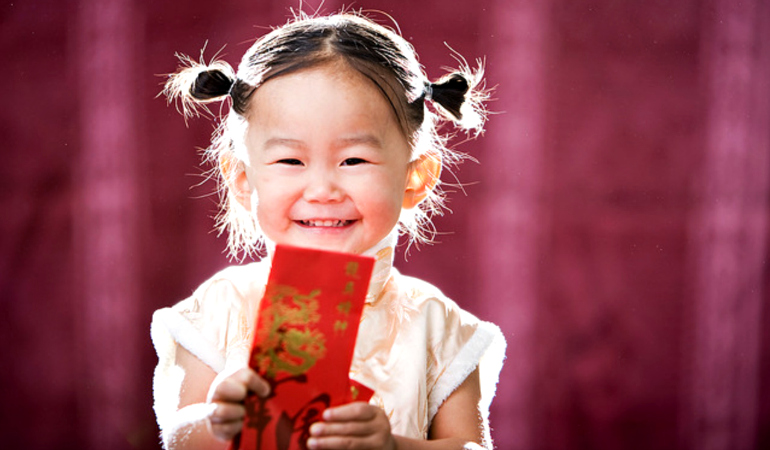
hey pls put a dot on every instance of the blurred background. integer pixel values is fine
(615, 226)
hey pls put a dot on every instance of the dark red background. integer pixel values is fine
(616, 226)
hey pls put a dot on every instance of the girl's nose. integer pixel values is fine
(322, 186)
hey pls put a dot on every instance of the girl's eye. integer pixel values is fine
(353, 161)
(290, 162)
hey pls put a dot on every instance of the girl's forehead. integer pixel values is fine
(333, 87)
(332, 82)
(336, 69)
(329, 103)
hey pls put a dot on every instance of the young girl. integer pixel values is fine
(330, 142)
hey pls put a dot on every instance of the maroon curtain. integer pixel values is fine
(615, 226)
(107, 210)
(728, 232)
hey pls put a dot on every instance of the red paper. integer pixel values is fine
(303, 344)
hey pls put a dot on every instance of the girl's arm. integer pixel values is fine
(363, 426)
(459, 416)
(208, 418)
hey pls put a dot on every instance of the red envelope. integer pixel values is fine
(303, 344)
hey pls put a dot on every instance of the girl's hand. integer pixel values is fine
(356, 425)
(227, 396)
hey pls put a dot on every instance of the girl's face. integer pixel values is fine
(327, 160)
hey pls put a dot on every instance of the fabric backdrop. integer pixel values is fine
(615, 225)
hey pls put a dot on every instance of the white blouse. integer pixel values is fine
(414, 347)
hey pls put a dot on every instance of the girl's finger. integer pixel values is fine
(226, 431)
(235, 387)
(251, 380)
(227, 412)
(342, 429)
(348, 442)
(257, 384)
(357, 411)
(230, 389)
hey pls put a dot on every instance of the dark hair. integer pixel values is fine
(377, 52)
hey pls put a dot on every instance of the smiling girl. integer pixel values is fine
(330, 142)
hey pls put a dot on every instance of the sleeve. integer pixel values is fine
(212, 325)
(458, 343)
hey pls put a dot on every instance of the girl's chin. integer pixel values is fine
(327, 243)
(336, 239)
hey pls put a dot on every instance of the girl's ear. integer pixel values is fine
(422, 178)
(234, 173)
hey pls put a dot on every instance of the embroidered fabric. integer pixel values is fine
(410, 380)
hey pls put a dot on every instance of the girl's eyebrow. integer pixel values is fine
(361, 139)
(284, 142)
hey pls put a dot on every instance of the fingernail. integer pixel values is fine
(327, 415)
(312, 443)
(316, 429)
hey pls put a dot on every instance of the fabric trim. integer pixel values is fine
(491, 365)
(186, 335)
(165, 378)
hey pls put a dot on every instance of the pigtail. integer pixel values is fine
(449, 93)
(196, 83)
(460, 96)
(211, 85)
(192, 88)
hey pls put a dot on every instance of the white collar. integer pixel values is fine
(383, 254)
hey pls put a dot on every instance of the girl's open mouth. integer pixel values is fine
(325, 223)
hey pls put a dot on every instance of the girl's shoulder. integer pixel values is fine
(214, 320)
(417, 306)
(227, 298)
(237, 281)
(244, 278)
(453, 340)
(440, 317)
(425, 296)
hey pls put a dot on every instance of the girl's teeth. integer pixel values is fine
(323, 223)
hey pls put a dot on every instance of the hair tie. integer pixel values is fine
(232, 85)
(427, 93)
